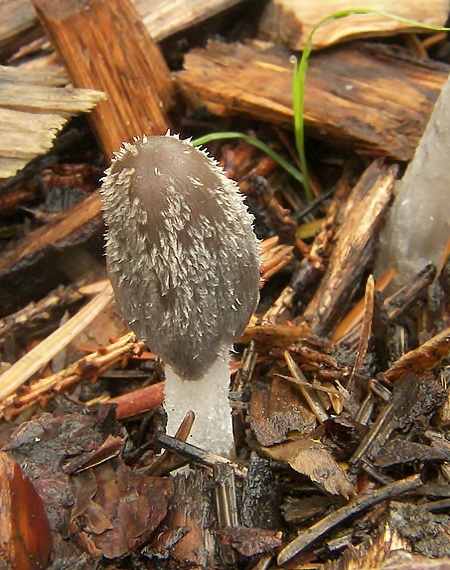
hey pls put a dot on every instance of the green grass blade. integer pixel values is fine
(294, 172)
(299, 78)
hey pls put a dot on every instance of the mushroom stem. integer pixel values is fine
(208, 397)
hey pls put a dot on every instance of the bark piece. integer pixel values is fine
(426, 357)
(19, 23)
(25, 538)
(105, 46)
(337, 518)
(299, 510)
(250, 541)
(429, 534)
(355, 241)
(189, 538)
(312, 458)
(385, 551)
(374, 98)
(37, 313)
(276, 409)
(291, 21)
(411, 397)
(60, 251)
(164, 18)
(17, 18)
(122, 511)
(43, 445)
(260, 496)
(401, 451)
(133, 75)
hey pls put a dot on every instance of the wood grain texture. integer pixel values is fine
(34, 107)
(19, 22)
(355, 240)
(164, 19)
(291, 21)
(371, 97)
(17, 18)
(105, 46)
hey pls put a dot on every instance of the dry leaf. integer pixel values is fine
(312, 458)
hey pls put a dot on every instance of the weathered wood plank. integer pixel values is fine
(33, 108)
(373, 98)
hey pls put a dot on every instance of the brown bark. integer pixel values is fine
(372, 98)
(105, 46)
(354, 246)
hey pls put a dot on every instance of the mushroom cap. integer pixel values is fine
(182, 255)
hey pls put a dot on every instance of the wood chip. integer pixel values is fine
(33, 109)
(311, 458)
(371, 97)
(355, 241)
(425, 357)
(291, 21)
(331, 521)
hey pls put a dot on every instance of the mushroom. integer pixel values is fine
(184, 264)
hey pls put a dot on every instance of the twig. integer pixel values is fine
(22, 370)
(331, 521)
(60, 297)
(92, 365)
(138, 401)
(200, 455)
(170, 460)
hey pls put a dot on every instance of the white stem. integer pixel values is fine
(208, 399)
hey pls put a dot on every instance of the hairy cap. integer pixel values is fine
(182, 255)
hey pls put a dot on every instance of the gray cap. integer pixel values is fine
(182, 255)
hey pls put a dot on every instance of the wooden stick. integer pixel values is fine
(22, 370)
